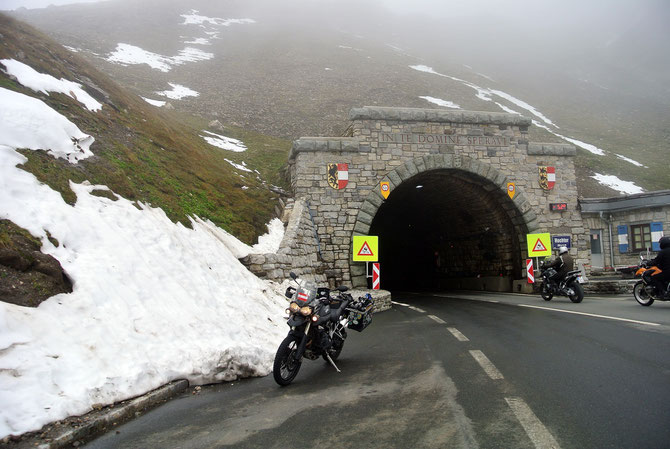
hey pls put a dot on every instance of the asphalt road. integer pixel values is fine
(458, 370)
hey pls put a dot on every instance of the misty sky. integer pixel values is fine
(13, 4)
(519, 9)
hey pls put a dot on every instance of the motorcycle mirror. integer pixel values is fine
(293, 275)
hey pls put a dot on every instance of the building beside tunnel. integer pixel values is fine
(622, 229)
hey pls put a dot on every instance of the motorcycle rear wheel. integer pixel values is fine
(641, 295)
(579, 292)
(285, 368)
(545, 292)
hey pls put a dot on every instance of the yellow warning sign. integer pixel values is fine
(365, 248)
(539, 245)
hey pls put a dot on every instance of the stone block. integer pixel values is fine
(365, 217)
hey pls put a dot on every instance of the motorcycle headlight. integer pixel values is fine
(306, 310)
(293, 307)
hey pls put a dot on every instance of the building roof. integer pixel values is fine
(626, 202)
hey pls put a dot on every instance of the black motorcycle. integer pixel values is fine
(569, 286)
(644, 291)
(319, 320)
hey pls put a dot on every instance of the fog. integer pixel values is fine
(620, 43)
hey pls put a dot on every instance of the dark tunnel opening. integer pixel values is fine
(448, 229)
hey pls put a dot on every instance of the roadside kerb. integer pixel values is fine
(103, 423)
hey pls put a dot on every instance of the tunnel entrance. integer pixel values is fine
(448, 229)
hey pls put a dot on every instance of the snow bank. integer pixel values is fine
(153, 301)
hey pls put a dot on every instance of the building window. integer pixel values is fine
(641, 237)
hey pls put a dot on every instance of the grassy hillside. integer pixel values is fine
(148, 154)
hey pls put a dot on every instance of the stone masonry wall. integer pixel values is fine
(396, 143)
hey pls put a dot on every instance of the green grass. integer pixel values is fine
(146, 154)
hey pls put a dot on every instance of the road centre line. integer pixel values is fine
(457, 334)
(591, 314)
(416, 309)
(400, 303)
(534, 428)
(486, 364)
(437, 319)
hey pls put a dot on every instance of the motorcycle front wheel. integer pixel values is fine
(285, 368)
(578, 294)
(545, 292)
(641, 295)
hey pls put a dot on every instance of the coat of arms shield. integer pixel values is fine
(547, 177)
(338, 175)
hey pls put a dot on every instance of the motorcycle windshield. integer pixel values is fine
(306, 293)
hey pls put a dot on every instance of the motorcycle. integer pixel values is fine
(644, 291)
(570, 285)
(319, 320)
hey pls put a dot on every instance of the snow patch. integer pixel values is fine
(242, 166)
(178, 92)
(156, 103)
(193, 18)
(126, 54)
(611, 181)
(41, 82)
(630, 161)
(26, 122)
(223, 142)
(440, 102)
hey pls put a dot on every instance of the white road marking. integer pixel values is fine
(400, 303)
(416, 309)
(534, 428)
(437, 319)
(455, 332)
(591, 314)
(486, 364)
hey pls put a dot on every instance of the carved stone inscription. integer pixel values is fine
(444, 139)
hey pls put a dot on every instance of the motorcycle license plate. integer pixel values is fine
(580, 280)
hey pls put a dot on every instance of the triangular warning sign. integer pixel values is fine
(365, 250)
(539, 246)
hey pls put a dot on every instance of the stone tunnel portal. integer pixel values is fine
(448, 229)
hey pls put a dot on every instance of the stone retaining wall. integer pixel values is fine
(299, 250)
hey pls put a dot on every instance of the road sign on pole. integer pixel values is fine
(375, 276)
(530, 274)
(365, 248)
(539, 245)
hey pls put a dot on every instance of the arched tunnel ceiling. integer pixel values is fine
(444, 224)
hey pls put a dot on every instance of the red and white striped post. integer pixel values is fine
(375, 276)
(529, 271)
